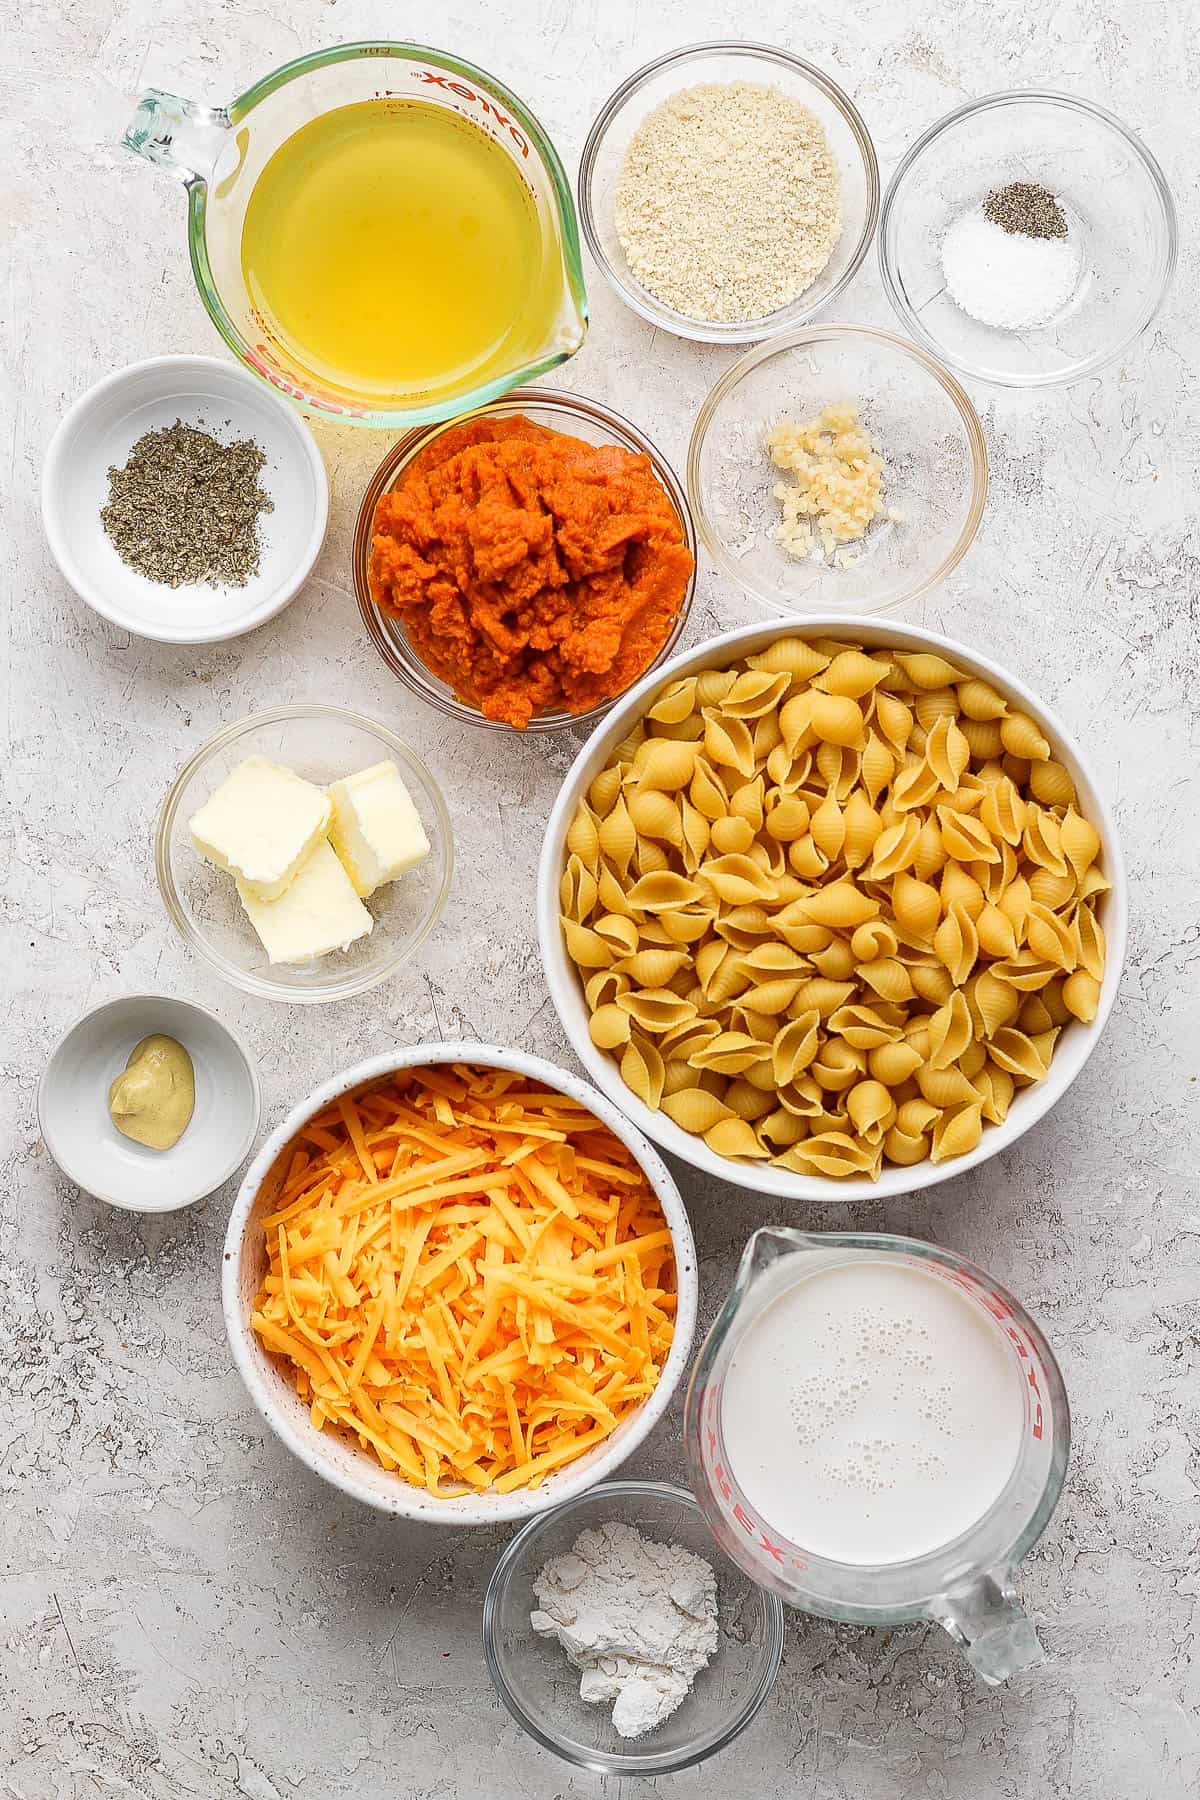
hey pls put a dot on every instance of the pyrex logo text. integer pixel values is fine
(483, 101)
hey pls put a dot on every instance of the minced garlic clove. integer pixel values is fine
(836, 487)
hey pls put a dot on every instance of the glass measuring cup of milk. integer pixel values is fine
(878, 1432)
(221, 152)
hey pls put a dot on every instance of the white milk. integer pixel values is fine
(872, 1412)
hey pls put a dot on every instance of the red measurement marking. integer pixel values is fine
(261, 359)
(1002, 1312)
(992, 1303)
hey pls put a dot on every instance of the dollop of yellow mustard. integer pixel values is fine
(153, 1099)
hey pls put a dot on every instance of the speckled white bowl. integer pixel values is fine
(1029, 1105)
(335, 1458)
(72, 1105)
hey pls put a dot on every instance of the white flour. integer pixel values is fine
(637, 1618)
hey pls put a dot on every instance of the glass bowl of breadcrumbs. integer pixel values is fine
(837, 468)
(728, 191)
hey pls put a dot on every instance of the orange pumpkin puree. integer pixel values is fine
(531, 570)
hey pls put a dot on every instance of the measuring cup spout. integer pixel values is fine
(986, 1619)
(177, 134)
(764, 1248)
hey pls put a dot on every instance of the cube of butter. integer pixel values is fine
(376, 829)
(261, 824)
(317, 912)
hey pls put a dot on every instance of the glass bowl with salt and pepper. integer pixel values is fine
(1027, 239)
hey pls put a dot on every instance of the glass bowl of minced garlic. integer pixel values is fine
(728, 191)
(837, 467)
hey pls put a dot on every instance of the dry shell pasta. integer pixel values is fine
(831, 907)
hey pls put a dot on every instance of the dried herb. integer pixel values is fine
(1027, 208)
(185, 508)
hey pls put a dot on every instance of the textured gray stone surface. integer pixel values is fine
(182, 1610)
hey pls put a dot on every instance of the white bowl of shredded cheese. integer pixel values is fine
(335, 1455)
(728, 191)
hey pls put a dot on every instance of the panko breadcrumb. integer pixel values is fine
(728, 203)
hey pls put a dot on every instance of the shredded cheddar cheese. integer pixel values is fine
(470, 1274)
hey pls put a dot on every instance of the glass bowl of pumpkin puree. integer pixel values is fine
(523, 566)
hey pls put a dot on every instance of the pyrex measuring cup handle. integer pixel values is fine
(177, 134)
(986, 1619)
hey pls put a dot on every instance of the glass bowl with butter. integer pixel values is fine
(304, 853)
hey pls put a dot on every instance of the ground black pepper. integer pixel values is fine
(185, 508)
(1028, 208)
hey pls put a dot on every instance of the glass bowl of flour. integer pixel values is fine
(621, 1637)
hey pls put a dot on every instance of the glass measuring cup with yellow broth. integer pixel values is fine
(382, 232)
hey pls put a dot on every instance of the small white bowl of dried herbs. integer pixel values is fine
(183, 501)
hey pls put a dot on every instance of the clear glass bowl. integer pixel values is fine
(1118, 206)
(321, 743)
(621, 115)
(928, 434)
(541, 1689)
(557, 410)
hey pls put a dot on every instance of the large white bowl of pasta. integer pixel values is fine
(834, 910)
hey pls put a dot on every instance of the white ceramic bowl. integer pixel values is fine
(1030, 1104)
(336, 1459)
(72, 1105)
(100, 430)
